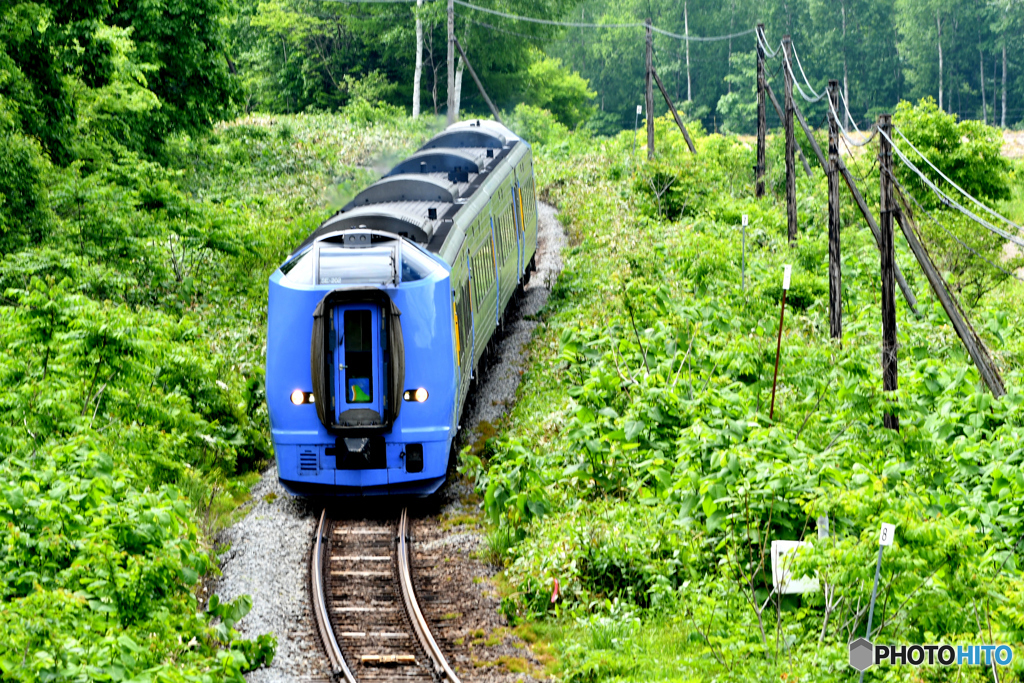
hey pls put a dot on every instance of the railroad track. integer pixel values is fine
(365, 605)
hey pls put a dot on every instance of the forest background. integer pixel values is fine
(159, 158)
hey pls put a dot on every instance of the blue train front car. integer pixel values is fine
(361, 373)
(377, 322)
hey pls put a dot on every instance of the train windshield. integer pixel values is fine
(415, 264)
(341, 266)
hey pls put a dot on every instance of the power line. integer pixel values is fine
(502, 30)
(817, 96)
(937, 222)
(960, 189)
(578, 24)
(947, 200)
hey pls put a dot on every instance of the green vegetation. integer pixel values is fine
(636, 488)
(132, 416)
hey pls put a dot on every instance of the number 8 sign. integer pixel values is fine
(886, 535)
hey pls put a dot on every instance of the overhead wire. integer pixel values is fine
(806, 80)
(949, 201)
(962, 191)
(772, 54)
(579, 24)
(903, 192)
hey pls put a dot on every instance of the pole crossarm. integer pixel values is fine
(782, 117)
(858, 198)
(675, 114)
(476, 79)
(988, 370)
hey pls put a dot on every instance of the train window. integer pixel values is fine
(415, 264)
(358, 356)
(300, 269)
(340, 266)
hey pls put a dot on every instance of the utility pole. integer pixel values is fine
(418, 75)
(762, 117)
(649, 92)
(887, 207)
(451, 62)
(787, 48)
(835, 273)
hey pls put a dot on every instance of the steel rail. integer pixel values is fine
(323, 620)
(419, 623)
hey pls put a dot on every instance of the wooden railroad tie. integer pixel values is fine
(387, 660)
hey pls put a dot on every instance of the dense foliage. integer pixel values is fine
(132, 413)
(638, 484)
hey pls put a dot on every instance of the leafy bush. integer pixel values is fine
(553, 87)
(644, 428)
(536, 125)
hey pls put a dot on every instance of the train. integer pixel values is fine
(378, 322)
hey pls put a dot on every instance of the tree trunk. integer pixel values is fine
(453, 115)
(981, 65)
(1002, 121)
(458, 87)
(846, 79)
(938, 23)
(418, 75)
(732, 21)
(686, 28)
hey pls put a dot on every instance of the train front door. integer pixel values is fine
(359, 372)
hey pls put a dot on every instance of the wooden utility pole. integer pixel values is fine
(835, 273)
(476, 79)
(858, 198)
(887, 207)
(762, 117)
(675, 114)
(787, 48)
(649, 92)
(778, 110)
(451, 62)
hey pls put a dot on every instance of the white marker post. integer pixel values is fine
(885, 537)
(743, 261)
(787, 271)
(636, 125)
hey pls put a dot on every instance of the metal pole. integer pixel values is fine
(887, 207)
(874, 594)
(787, 270)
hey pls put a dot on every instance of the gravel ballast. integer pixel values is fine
(267, 552)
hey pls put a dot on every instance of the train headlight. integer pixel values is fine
(299, 397)
(417, 395)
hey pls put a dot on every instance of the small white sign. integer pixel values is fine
(745, 220)
(783, 553)
(639, 109)
(787, 271)
(822, 527)
(887, 534)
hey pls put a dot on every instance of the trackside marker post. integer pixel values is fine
(885, 537)
(787, 271)
(743, 257)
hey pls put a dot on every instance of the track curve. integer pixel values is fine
(365, 606)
